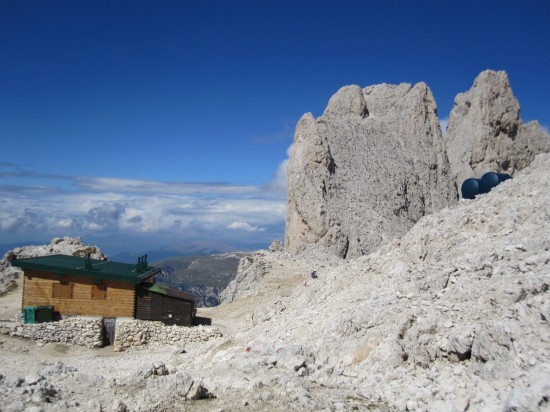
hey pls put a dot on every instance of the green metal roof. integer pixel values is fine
(172, 292)
(79, 266)
(158, 289)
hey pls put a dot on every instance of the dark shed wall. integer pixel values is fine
(157, 301)
(176, 311)
(168, 309)
(143, 304)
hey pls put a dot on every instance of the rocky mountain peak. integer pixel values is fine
(366, 170)
(375, 162)
(349, 100)
(485, 131)
(454, 315)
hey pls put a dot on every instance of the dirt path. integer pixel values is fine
(10, 304)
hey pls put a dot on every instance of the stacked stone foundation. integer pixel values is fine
(131, 333)
(84, 331)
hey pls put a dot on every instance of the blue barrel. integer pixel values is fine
(470, 188)
(503, 176)
(488, 181)
(29, 314)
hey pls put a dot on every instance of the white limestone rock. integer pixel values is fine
(485, 132)
(33, 379)
(276, 246)
(454, 315)
(251, 269)
(365, 171)
(533, 391)
(161, 392)
(72, 246)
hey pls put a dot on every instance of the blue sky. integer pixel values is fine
(147, 123)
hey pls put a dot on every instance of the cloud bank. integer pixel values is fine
(38, 207)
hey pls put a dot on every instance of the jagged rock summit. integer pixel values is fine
(375, 162)
(367, 170)
(58, 246)
(485, 132)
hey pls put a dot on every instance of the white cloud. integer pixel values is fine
(279, 184)
(111, 207)
(245, 226)
(117, 185)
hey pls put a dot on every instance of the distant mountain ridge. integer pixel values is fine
(204, 276)
(163, 252)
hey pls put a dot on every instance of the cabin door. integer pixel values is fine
(109, 326)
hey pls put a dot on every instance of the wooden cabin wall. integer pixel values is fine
(177, 311)
(119, 298)
(143, 304)
(156, 306)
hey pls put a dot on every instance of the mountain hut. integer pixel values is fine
(77, 286)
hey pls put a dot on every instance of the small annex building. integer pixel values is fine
(78, 286)
(172, 307)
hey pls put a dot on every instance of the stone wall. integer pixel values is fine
(84, 331)
(88, 332)
(134, 332)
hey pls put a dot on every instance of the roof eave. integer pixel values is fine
(94, 274)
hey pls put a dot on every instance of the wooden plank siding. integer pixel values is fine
(156, 306)
(118, 301)
(170, 310)
(176, 311)
(143, 304)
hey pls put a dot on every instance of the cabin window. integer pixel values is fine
(62, 290)
(99, 291)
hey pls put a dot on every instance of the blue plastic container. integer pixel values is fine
(29, 314)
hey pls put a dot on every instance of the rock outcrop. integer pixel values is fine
(375, 162)
(255, 266)
(485, 132)
(367, 170)
(455, 315)
(58, 246)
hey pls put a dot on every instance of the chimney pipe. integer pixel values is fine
(88, 264)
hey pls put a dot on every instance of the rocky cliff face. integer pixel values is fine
(455, 315)
(375, 162)
(366, 170)
(485, 132)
